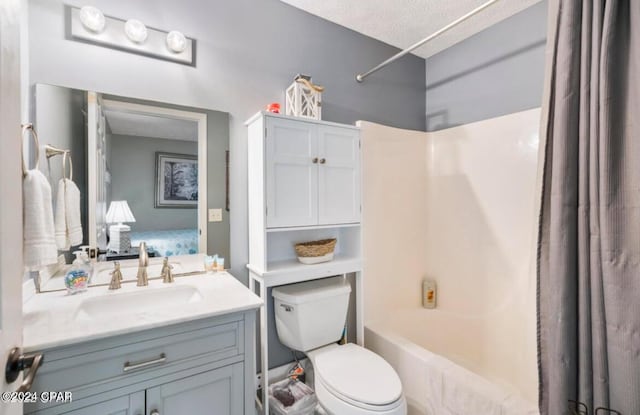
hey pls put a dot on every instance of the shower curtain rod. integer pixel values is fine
(360, 77)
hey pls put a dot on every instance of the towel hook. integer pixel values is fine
(28, 127)
(67, 154)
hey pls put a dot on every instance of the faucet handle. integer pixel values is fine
(167, 271)
(116, 277)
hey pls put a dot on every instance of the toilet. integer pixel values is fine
(348, 379)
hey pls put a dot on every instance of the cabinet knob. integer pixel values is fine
(322, 161)
(314, 160)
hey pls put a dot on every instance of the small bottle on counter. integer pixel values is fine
(77, 278)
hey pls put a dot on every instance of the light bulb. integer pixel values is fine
(92, 19)
(135, 30)
(176, 41)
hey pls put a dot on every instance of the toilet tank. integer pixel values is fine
(311, 314)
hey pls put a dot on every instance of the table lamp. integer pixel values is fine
(118, 213)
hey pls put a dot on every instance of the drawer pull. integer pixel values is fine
(128, 366)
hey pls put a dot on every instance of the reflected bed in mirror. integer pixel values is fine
(147, 172)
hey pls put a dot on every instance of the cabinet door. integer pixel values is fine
(291, 174)
(338, 175)
(125, 405)
(217, 392)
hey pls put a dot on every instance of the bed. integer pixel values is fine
(169, 242)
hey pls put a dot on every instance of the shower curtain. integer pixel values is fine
(589, 240)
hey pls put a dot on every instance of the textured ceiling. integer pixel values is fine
(402, 23)
(139, 125)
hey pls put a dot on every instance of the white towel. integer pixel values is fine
(68, 225)
(39, 242)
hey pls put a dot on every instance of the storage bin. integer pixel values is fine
(316, 251)
(303, 398)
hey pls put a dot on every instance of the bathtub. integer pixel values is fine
(443, 364)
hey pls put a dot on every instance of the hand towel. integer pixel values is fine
(39, 243)
(67, 216)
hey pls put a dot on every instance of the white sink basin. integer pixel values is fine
(55, 319)
(130, 273)
(144, 300)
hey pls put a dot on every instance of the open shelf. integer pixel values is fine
(290, 271)
(281, 255)
(316, 227)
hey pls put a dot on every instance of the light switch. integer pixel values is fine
(215, 215)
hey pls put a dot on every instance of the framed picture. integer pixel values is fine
(176, 181)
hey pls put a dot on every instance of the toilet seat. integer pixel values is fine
(358, 377)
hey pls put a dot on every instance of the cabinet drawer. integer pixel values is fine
(82, 370)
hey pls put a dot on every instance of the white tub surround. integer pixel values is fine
(464, 215)
(56, 319)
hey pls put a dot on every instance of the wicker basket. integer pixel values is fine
(316, 251)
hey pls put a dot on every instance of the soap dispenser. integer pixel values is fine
(77, 278)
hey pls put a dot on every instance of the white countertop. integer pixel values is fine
(56, 319)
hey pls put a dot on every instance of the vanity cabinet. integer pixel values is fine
(221, 389)
(194, 395)
(198, 367)
(124, 405)
(311, 171)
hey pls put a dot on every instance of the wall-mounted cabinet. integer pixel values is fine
(304, 184)
(311, 172)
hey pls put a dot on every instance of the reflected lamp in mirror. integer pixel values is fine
(120, 238)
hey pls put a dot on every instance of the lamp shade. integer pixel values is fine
(119, 212)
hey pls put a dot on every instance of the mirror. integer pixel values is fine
(146, 172)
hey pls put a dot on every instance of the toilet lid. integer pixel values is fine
(359, 375)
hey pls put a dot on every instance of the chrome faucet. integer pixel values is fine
(167, 271)
(143, 262)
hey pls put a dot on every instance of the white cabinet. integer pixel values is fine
(338, 175)
(291, 173)
(304, 185)
(311, 172)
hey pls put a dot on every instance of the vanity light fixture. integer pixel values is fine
(89, 25)
(92, 19)
(136, 31)
(176, 41)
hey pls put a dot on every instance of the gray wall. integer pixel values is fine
(496, 72)
(133, 165)
(248, 52)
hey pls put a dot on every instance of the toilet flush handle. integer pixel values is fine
(287, 307)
